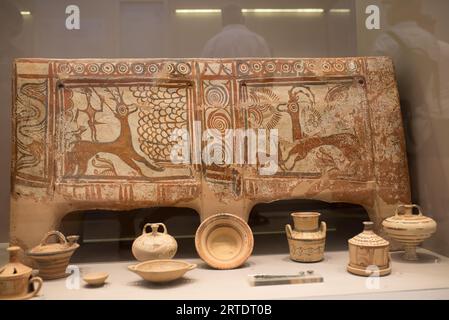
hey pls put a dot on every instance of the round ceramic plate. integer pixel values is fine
(224, 241)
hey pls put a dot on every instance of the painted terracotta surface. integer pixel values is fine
(96, 134)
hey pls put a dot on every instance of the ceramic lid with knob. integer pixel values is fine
(14, 268)
(368, 238)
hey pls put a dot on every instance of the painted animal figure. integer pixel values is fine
(91, 134)
(345, 142)
(83, 150)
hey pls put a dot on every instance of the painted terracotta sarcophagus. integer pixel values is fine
(98, 134)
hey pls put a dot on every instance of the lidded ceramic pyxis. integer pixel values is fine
(154, 245)
(409, 229)
(369, 253)
(16, 281)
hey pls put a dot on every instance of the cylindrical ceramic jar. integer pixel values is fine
(369, 253)
(16, 281)
(307, 240)
(154, 245)
(409, 229)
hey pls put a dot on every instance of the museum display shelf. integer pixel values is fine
(426, 279)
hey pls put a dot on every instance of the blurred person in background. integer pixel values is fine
(235, 40)
(422, 70)
(11, 25)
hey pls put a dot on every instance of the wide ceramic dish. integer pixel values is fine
(224, 241)
(162, 270)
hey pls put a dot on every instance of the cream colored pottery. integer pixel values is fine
(162, 270)
(96, 278)
(409, 229)
(224, 241)
(369, 253)
(308, 238)
(16, 279)
(53, 258)
(154, 245)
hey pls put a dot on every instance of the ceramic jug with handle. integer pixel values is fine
(154, 245)
(409, 229)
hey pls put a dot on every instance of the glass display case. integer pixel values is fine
(118, 117)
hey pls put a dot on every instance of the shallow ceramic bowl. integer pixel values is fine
(96, 278)
(224, 241)
(162, 270)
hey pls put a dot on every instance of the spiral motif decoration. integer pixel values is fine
(216, 96)
(339, 66)
(243, 68)
(170, 67)
(326, 67)
(311, 66)
(299, 66)
(270, 67)
(293, 107)
(64, 68)
(219, 120)
(78, 68)
(183, 68)
(93, 68)
(107, 68)
(122, 110)
(122, 68)
(257, 67)
(153, 68)
(138, 68)
(286, 68)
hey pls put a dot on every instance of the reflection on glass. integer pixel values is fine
(421, 62)
(11, 27)
(11, 24)
(235, 39)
